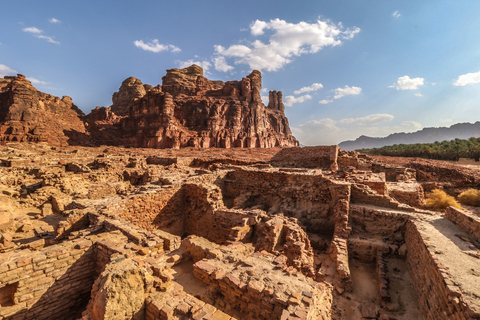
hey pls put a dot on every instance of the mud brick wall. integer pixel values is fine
(309, 197)
(324, 157)
(52, 283)
(438, 297)
(254, 298)
(469, 223)
(377, 222)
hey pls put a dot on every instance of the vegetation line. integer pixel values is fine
(445, 150)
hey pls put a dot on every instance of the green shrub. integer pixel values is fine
(471, 197)
(439, 200)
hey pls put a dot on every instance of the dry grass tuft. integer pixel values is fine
(471, 197)
(439, 200)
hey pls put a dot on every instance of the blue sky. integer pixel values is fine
(346, 67)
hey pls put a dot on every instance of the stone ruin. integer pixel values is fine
(293, 233)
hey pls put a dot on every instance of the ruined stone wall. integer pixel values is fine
(254, 298)
(52, 283)
(308, 197)
(376, 221)
(468, 222)
(324, 157)
(438, 296)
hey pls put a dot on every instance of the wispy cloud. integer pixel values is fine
(289, 40)
(289, 101)
(325, 101)
(330, 131)
(466, 79)
(407, 83)
(205, 65)
(313, 87)
(396, 14)
(53, 20)
(6, 71)
(156, 46)
(368, 120)
(418, 94)
(347, 91)
(38, 33)
(36, 81)
(221, 64)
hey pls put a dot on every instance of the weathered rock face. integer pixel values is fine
(190, 110)
(119, 293)
(130, 90)
(27, 115)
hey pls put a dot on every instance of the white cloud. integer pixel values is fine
(155, 46)
(32, 30)
(289, 101)
(328, 131)
(407, 83)
(315, 132)
(205, 65)
(325, 101)
(368, 120)
(466, 79)
(53, 20)
(288, 40)
(347, 91)
(36, 81)
(410, 126)
(257, 27)
(221, 64)
(396, 14)
(38, 33)
(445, 120)
(6, 71)
(313, 87)
(418, 94)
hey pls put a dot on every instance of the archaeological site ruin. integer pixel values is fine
(193, 200)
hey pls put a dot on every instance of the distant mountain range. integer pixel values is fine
(426, 135)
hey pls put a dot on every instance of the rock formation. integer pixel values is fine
(130, 90)
(27, 115)
(190, 110)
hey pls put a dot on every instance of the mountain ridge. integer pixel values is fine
(463, 130)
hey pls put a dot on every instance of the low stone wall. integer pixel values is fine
(254, 298)
(438, 297)
(377, 221)
(324, 157)
(51, 283)
(468, 222)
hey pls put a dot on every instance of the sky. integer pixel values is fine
(346, 68)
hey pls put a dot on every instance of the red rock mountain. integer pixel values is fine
(27, 115)
(186, 110)
(190, 110)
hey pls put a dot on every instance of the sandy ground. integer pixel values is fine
(404, 305)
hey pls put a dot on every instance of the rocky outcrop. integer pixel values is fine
(130, 90)
(187, 110)
(191, 110)
(27, 115)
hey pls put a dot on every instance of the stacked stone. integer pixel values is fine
(51, 283)
(438, 296)
(252, 296)
(467, 222)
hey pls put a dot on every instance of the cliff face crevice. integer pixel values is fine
(187, 110)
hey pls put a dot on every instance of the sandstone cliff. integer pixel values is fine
(27, 115)
(187, 110)
(191, 110)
